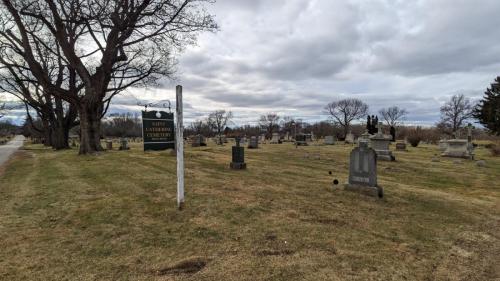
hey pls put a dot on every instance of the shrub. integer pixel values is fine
(415, 136)
(495, 150)
(489, 145)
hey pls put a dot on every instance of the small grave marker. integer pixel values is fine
(301, 139)
(401, 146)
(238, 156)
(123, 144)
(329, 140)
(253, 143)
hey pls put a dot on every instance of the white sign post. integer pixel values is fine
(180, 148)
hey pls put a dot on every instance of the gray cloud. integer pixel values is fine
(294, 56)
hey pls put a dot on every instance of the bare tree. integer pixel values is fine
(197, 126)
(111, 45)
(287, 124)
(218, 121)
(345, 111)
(393, 115)
(270, 123)
(57, 116)
(122, 125)
(3, 108)
(455, 113)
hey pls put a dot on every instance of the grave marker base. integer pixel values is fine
(238, 166)
(374, 191)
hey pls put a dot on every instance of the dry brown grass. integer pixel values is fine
(113, 217)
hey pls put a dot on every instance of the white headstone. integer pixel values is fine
(329, 140)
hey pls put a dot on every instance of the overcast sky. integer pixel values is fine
(292, 57)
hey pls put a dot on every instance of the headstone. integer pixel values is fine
(309, 137)
(380, 143)
(469, 133)
(220, 140)
(364, 137)
(481, 163)
(262, 138)
(470, 145)
(109, 145)
(198, 141)
(329, 140)
(253, 143)
(238, 156)
(349, 138)
(443, 145)
(158, 130)
(401, 146)
(301, 139)
(369, 124)
(458, 148)
(363, 171)
(124, 144)
(275, 139)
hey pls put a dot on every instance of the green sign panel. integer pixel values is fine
(158, 130)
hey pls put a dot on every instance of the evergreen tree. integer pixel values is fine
(488, 109)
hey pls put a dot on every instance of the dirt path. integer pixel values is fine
(8, 149)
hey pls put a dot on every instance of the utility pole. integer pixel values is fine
(180, 149)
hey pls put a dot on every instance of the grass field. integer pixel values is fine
(114, 217)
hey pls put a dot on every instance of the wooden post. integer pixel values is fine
(180, 148)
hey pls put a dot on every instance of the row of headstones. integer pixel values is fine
(253, 142)
(363, 162)
(362, 167)
(109, 143)
(123, 144)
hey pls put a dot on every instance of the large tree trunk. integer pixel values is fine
(59, 137)
(61, 125)
(47, 133)
(90, 128)
(346, 131)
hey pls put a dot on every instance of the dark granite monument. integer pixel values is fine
(371, 124)
(301, 139)
(363, 171)
(392, 131)
(238, 157)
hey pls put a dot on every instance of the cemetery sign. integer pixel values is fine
(158, 130)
